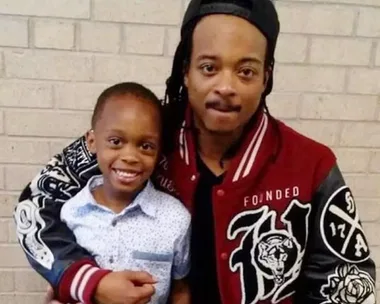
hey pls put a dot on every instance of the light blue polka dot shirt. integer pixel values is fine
(151, 234)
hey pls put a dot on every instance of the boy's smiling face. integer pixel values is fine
(126, 139)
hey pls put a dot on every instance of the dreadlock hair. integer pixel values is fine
(176, 98)
(125, 88)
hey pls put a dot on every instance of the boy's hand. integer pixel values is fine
(125, 287)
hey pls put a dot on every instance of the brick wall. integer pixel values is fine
(57, 56)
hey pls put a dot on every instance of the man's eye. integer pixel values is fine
(247, 73)
(208, 68)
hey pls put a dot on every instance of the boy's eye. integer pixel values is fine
(147, 146)
(114, 141)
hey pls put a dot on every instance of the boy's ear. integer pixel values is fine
(90, 140)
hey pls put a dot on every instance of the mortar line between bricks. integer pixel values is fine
(326, 3)
(122, 39)
(356, 24)
(372, 55)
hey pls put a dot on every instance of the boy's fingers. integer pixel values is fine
(140, 277)
(145, 291)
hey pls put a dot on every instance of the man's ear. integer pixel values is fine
(90, 140)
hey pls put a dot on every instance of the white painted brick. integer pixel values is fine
(364, 185)
(14, 31)
(54, 124)
(172, 40)
(7, 202)
(52, 65)
(364, 81)
(1, 122)
(322, 131)
(156, 12)
(361, 134)
(99, 37)
(12, 235)
(339, 107)
(309, 78)
(291, 48)
(374, 165)
(54, 34)
(56, 8)
(371, 231)
(369, 209)
(352, 160)
(57, 146)
(25, 94)
(2, 178)
(360, 2)
(7, 299)
(340, 51)
(316, 19)
(159, 90)
(81, 96)
(6, 281)
(3, 232)
(29, 298)
(29, 281)
(18, 176)
(23, 151)
(377, 60)
(369, 24)
(144, 39)
(146, 69)
(283, 105)
(12, 256)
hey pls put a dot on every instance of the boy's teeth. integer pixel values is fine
(125, 174)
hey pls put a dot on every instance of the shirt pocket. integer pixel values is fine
(158, 265)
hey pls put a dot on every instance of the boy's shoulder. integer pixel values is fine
(170, 205)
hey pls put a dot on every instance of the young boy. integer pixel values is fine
(119, 217)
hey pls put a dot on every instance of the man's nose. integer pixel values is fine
(225, 86)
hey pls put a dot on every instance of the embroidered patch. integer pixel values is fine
(29, 226)
(269, 258)
(349, 285)
(340, 228)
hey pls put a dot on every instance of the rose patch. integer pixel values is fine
(349, 285)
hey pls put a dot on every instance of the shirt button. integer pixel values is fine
(220, 192)
(113, 223)
(224, 256)
(111, 260)
(193, 178)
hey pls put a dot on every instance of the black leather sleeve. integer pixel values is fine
(337, 264)
(47, 242)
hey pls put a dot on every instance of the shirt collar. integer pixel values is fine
(144, 199)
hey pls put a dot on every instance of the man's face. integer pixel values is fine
(225, 78)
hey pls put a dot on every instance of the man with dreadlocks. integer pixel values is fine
(273, 220)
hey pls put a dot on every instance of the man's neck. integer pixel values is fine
(213, 147)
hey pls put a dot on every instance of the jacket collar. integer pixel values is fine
(245, 161)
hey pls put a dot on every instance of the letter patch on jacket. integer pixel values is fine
(340, 227)
(269, 259)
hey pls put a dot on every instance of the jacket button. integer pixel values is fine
(193, 178)
(224, 256)
(220, 192)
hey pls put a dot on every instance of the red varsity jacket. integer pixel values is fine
(287, 228)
